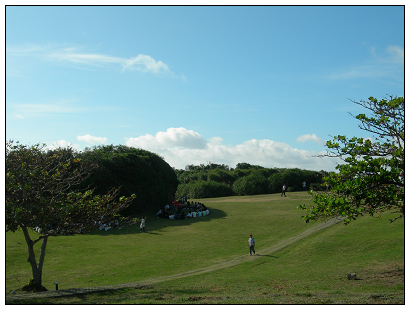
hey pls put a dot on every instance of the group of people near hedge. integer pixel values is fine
(183, 209)
(107, 225)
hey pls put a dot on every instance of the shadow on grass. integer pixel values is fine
(154, 225)
(266, 255)
(140, 293)
(119, 296)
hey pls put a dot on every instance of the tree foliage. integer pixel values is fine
(136, 171)
(371, 179)
(253, 184)
(203, 189)
(40, 192)
(245, 179)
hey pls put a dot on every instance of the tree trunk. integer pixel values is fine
(42, 255)
(32, 258)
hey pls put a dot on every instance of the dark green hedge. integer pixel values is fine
(203, 189)
(253, 184)
(136, 171)
(245, 179)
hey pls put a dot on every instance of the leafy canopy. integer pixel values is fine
(40, 191)
(136, 171)
(371, 179)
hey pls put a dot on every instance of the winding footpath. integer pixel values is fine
(229, 263)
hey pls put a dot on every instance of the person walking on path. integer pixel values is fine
(283, 190)
(251, 243)
(142, 225)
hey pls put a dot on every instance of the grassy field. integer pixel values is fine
(311, 270)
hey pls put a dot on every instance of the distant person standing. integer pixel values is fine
(251, 244)
(304, 185)
(283, 190)
(142, 225)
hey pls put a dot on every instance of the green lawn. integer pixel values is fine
(311, 270)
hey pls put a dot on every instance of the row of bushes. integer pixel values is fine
(198, 183)
(203, 189)
(155, 183)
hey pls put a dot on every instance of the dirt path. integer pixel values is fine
(229, 263)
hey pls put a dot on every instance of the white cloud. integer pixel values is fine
(173, 137)
(389, 64)
(307, 137)
(84, 58)
(74, 55)
(92, 140)
(29, 110)
(26, 49)
(181, 137)
(172, 146)
(141, 62)
(216, 141)
(18, 116)
(358, 72)
(396, 54)
(145, 63)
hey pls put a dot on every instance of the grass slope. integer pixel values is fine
(311, 270)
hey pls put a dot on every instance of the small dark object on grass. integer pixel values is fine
(351, 276)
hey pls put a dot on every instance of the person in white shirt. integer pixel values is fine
(251, 243)
(142, 226)
(283, 190)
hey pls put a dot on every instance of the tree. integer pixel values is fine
(40, 193)
(371, 179)
(253, 184)
(137, 171)
(203, 189)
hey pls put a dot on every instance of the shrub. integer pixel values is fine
(316, 187)
(203, 189)
(246, 179)
(220, 175)
(253, 184)
(136, 171)
(275, 183)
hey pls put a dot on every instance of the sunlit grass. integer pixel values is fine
(312, 270)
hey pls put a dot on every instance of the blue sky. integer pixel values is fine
(263, 85)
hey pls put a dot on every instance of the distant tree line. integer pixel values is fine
(155, 183)
(215, 180)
